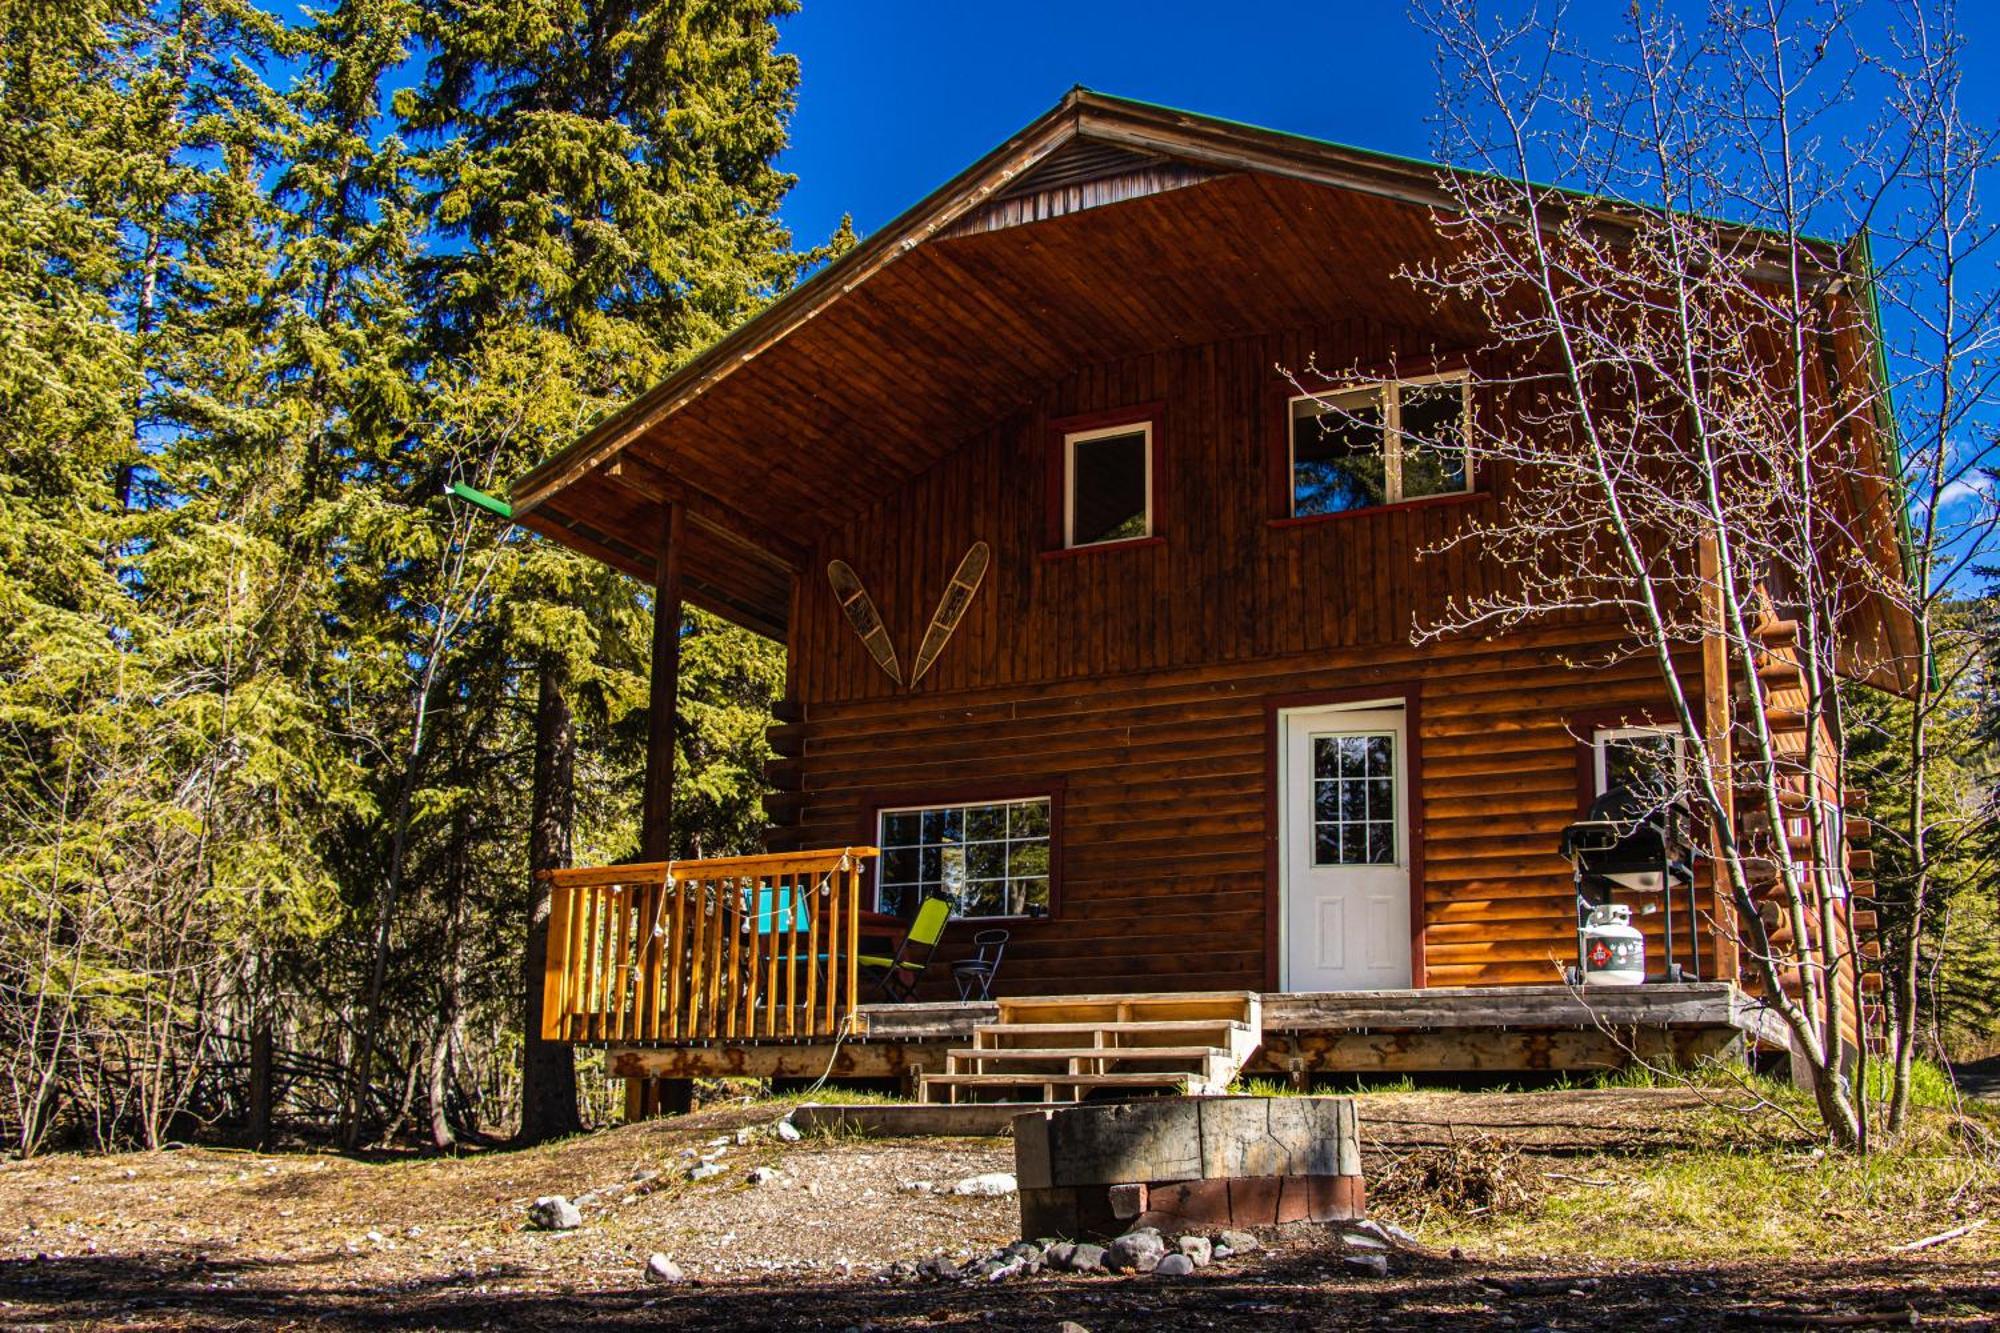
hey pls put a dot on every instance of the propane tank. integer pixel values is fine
(1614, 952)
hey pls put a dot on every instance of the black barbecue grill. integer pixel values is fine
(1634, 841)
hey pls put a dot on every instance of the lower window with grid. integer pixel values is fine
(989, 858)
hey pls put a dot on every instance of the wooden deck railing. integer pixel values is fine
(744, 947)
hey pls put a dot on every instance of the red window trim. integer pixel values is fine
(1278, 429)
(875, 802)
(1056, 478)
(1583, 727)
(1461, 498)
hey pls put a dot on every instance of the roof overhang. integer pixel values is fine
(1105, 230)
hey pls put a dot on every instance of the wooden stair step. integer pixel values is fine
(1158, 1028)
(1167, 1007)
(1090, 1053)
(1033, 1079)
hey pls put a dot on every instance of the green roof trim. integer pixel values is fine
(498, 508)
(1887, 429)
(1885, 400)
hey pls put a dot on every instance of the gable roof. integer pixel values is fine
(952, 315)
(1105, 229)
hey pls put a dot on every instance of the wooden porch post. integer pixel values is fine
(663, 712)
(649, 1097)
(1716, 723)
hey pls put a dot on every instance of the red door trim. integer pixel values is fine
(1411, 695)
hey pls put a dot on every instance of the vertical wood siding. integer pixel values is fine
(1142, 678)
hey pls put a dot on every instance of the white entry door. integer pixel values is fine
(1345, 857)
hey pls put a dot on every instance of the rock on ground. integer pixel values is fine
(1136, 1252)
(659, 1268)
(553, 1212)
(990, 1185)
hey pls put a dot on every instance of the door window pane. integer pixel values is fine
(1354, 800)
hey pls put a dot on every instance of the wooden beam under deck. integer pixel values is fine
(1484, 1029)
(1485, 1050)
(851, 1059)
(1690, 1004)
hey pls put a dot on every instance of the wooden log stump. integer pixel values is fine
(1188, 1163)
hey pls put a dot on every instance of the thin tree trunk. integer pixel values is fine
(439, 1085)
(451, 992)
(354, 1096)
(548, 1068)
(260, 1077)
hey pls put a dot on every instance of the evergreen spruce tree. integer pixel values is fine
(275, 715)
(68, 385)
(603, 175)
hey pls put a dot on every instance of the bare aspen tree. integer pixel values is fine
(1683, 397)
(1934, 252)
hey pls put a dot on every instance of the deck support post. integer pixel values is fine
(645, 1098)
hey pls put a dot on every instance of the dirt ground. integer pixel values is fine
(199, 1238)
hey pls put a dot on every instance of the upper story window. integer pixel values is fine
(1652, 759)
(1108, 485)
(1379, 444)
(989, 858)
(1104, 479)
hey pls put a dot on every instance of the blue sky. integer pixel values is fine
(898, 96)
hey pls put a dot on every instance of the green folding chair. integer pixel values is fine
(897, 977)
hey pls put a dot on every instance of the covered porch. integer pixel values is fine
(752, 967)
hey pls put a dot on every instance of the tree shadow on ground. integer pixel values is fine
(1311, 1289)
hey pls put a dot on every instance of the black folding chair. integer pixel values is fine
(975, 975)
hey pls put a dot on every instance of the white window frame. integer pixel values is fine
(1142, 428)
(1601, 735)
(1048, 839)
(1391, 393)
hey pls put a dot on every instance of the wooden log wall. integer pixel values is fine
(1142, 679)
(1849, 943)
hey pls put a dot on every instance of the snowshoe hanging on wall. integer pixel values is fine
(951, 607)
(859, 608)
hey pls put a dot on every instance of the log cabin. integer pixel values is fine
(1094, 632)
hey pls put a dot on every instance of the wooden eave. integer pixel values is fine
(955, 315)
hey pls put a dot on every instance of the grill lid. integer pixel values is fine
(1634, 839)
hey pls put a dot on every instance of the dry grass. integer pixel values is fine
(1470, 1176)
(1627, 1183)
(1724, 1169)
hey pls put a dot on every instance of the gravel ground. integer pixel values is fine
(208, 1239)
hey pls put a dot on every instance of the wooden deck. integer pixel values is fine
(1493, 1029)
